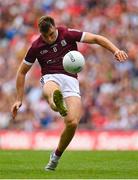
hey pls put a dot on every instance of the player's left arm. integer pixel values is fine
(104, 42)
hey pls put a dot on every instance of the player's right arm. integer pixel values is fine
(20, 81)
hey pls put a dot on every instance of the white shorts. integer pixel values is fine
(69, 85)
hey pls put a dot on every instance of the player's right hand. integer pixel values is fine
(15, 108)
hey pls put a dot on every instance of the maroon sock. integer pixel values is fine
(58, 153)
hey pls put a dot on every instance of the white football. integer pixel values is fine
(73, 62)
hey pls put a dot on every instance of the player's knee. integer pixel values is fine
(72, 124)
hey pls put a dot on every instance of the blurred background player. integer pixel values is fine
(59, 86)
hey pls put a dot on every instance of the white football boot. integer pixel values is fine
(53, 162)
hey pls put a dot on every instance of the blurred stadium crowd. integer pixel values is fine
(109, 89)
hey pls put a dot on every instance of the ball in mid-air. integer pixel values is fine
(73, 62)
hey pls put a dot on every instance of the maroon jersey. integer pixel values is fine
(50, 57)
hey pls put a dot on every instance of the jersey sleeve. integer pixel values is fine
(75, 35)
(30, 56)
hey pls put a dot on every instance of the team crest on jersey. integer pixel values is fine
(63, 42)
(43, 51)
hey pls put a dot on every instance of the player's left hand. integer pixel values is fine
(121, 56)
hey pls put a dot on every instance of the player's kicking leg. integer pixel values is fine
(59, 102)
(52, 93)
(71, 122)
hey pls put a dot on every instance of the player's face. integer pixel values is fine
(51, 36)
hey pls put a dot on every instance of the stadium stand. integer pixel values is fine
(109, 89)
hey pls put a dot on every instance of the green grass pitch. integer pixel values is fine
(73, 165)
